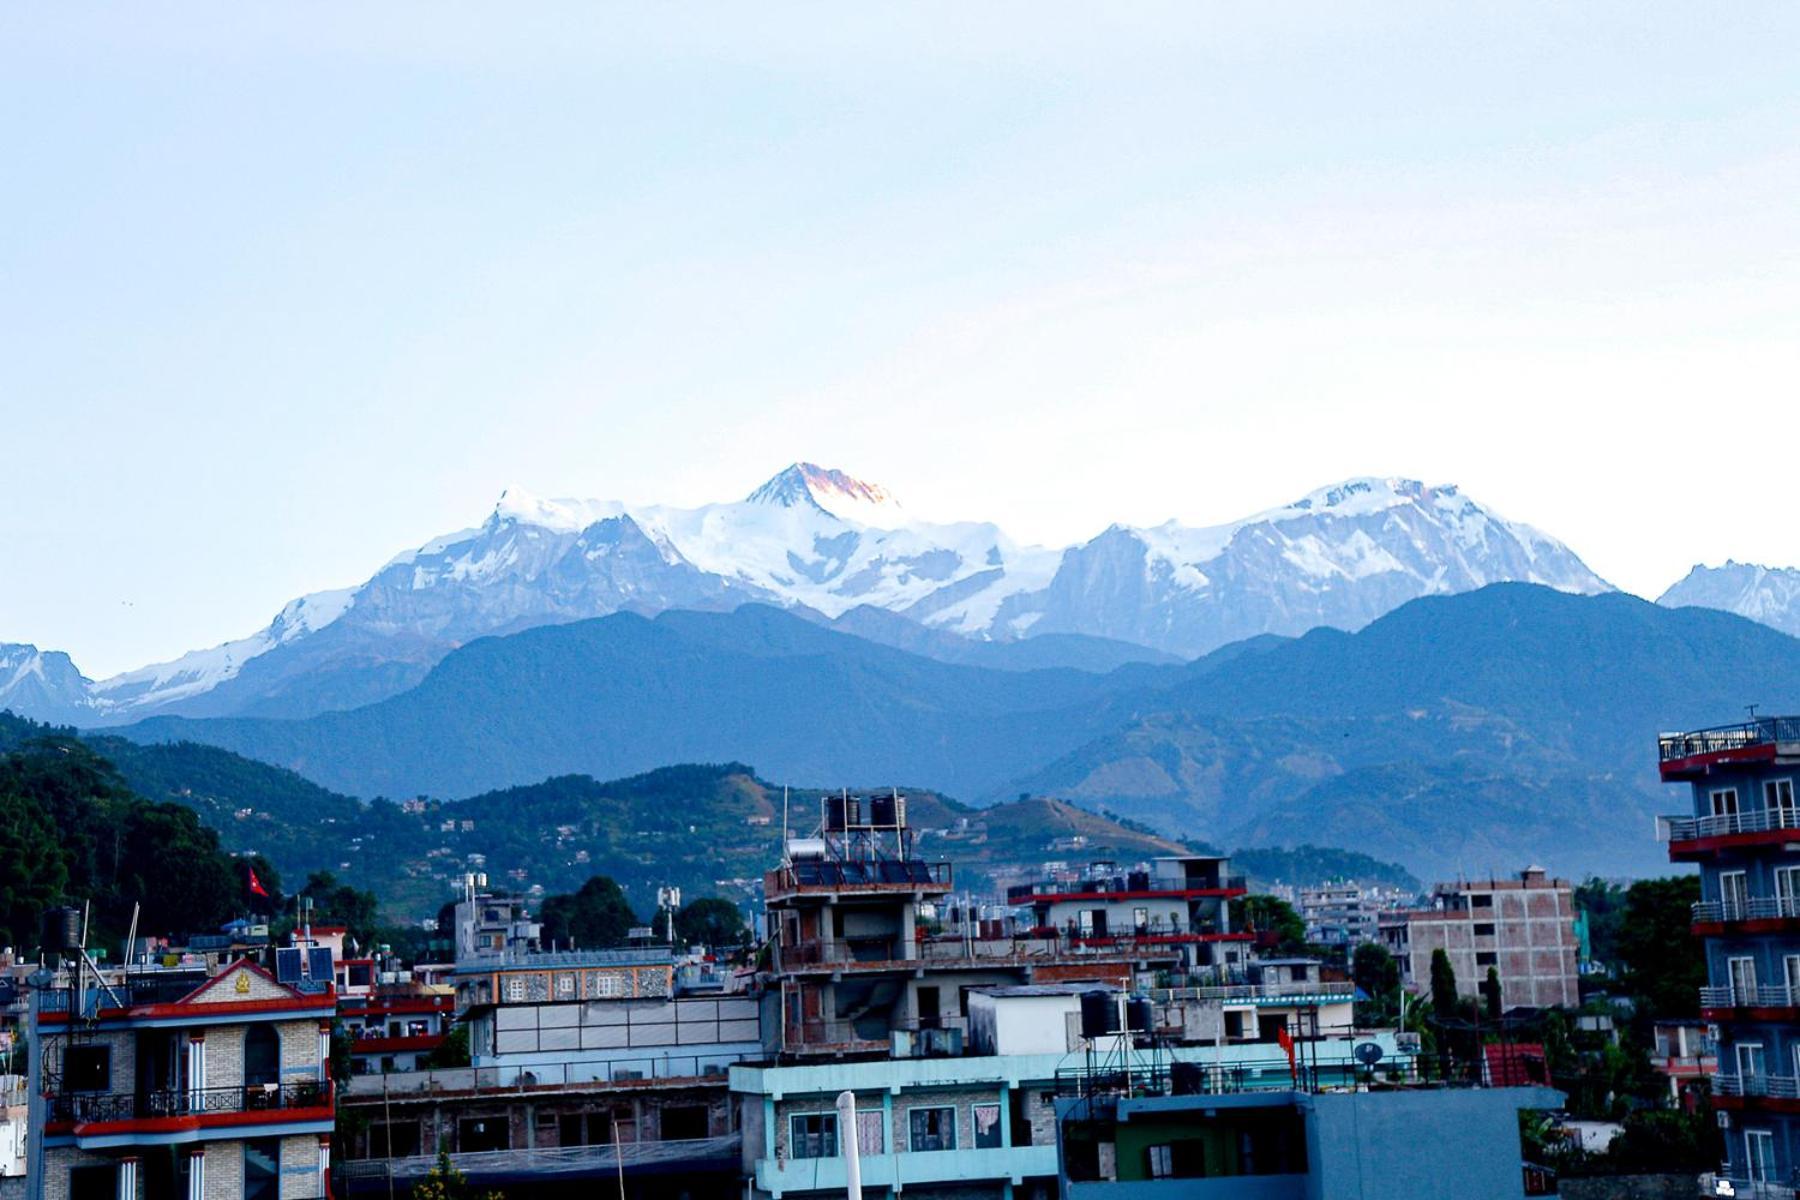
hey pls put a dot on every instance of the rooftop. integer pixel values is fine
(1760, 739)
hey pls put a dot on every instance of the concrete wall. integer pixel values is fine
(1441, 1144)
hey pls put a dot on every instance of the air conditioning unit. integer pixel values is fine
(1407, 1042)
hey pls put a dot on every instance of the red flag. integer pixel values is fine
(256, 886)
(1286, 1041)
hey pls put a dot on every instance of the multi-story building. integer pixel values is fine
(176, 1084)
(860, 952)
(1742, 833)
(1524, 929)
(1338, 914)
(584, 1065)
(1178, 904)
(396, 1027)
(1685, 1055)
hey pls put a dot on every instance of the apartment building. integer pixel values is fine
(1339, 914)
(170, 1083)
(1179, 905)
(1522, 928)
(1741, 833)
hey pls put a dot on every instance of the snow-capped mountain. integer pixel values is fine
(1341, 556)
(1770, 595)
(822, 540)
(43, 684)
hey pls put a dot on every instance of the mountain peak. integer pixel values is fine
(562, 516)
(830, 491)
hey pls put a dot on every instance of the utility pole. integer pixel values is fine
(847, 1139)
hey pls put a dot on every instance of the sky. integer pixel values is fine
(285, 289)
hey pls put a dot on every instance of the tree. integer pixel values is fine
(594, 918)
(1603, 904)
(1664, 966)
(453, 1051)
(1443, 986)
(1490, 991)
(337, 903)
(1374, 970)
(32, 872)
(711, 922)
(445, 1182)
(1274, 918)
(171, 864)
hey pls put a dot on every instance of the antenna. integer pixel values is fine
(1752, 710)
(784, 820)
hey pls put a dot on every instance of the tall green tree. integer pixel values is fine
(1443, 986)
(337, 903)
(593, 918)
(1664, 965)
(1276, 918)
(712, 922)
(32, 872)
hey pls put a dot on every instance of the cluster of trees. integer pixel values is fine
(598, 916)
(72, 831)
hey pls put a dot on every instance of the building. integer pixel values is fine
(1180, 904)
(1740, 831)
(173, 1083)
(584, 1065)
(1338, 914)
(1295, 1144)
(1522, 928)
(982, 1124)
(1684, 1054)
(861, 952)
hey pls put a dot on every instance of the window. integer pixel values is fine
(87, 1068)
(1778, 794)
(1486, 958)
(1791, 973)
(1160, 1161)
(1724, 802)
(1750, 1065)
(262, 1169)
(399, 1139)
(514, 989)
(1485, 929)
(1177, 1160)
(93, 1183)
(871, 1131)
(1743, 975)
(482, 1133)
(1734, 893)
(682, 1122)
(987, 1126)
(1787, 890)
(932, 1128)
(1482, 900)
(1140, 919)
(812, 1135)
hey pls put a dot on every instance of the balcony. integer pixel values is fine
(1764, 912)
(1776, 1087)
(1767, 996)
(815, 1035)
(94, 1113)
(1692, 838)
(831, 877)
(1037, 947)
(1137, 885)
(1686, 755)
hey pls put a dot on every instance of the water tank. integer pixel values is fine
(61, 930)
(1139, 1015)
(887, 811)
(840, 812)
(1099, 1014)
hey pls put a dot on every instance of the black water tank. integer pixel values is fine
(837, 813)
(1099, 1014)
(883, 810)
(1139, 1015)
(1186, 1078)
(61, 930)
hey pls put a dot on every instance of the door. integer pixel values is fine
(1743, 979)
(1750, 1067)
(1787, 890)
(930, 1011)
(1759, 1155)
(1778, 798)
(1734, 894)
(1724, 811)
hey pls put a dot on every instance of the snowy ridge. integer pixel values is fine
(819, 538)
(1770, 595)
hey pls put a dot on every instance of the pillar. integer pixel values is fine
(324, 1051)
(127, 1179)
(196, 1071)
(196, 1189)
(325, 1164)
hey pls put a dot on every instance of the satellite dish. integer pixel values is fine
(1368, 1053)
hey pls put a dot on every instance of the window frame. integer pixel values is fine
(797, 1139)
(947, 1141)
(998, 1136)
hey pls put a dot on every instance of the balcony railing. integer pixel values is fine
(538, 1164)
(1761, 731)
(1755, 908)
(874, 875)
(1754, 820)
(818, 1033)
(1032, 946)
(1780, 1087)
(91, 1107)
(1768, 995)
(1025, 893)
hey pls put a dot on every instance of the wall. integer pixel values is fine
(1441, 1144)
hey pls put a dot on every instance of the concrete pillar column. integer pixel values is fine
(127, 1179)
(324, 1165)
(324, 1051)
(196, 1071)
(196, 1189)
(1006, 1114)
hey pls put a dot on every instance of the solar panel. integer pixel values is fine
(287, 965)
(318, 962)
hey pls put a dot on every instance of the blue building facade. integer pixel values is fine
(1744, 835)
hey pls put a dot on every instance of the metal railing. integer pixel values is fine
(1755, 908)
(1031, 945)
(1752, 820)
(1766, 995)
(91, 1107)
(1757, 732)
(1184, 1078)
(1025, 893)
(550, 1162)
(1742, 1186)
(1780, 1087)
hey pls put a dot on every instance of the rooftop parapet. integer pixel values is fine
(1760, 739)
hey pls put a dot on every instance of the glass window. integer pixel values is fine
(262, 1169)
(1759, 1154)
(932, 1128)
(871, 1132)
(812, 1135)
(987, 1126)
(1160, 1161)
(87, 1068)
(1724, 802)
(1779, 794)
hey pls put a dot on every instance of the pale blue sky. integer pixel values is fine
(287, 288)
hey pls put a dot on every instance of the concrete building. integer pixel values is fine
(1296, 1145)
(1523, 928)
(1741, 832)
(172, 1084)
(1338, 914)
(1684, 1053)
(1180, 904)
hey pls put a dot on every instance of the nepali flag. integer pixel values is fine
(256, 887)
